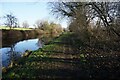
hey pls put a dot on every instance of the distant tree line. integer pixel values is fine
(45, 26)
(12, 22)
(25, 24)
(49, 28)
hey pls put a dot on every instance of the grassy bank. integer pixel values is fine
(9, 37)
(8, 28)
(67, 57)
(19, 33)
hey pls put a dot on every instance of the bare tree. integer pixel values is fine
(25, 24)
(11, 20)
(41, 24)
(105, 12)
(76, 13)
(38, 24)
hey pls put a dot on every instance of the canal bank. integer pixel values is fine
(65, 57)
(12, 36)
(14, 45)
(18, 49)
(20, 33)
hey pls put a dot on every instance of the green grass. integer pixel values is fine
(48, 62)
(8, 28)
(60, 59)
(63, 36)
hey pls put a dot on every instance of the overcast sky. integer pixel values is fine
(29, 11)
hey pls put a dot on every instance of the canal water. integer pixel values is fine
(18, 48)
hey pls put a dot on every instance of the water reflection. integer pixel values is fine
(13, 48)
(16, 50)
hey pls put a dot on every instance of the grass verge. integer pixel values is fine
(65, 57)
